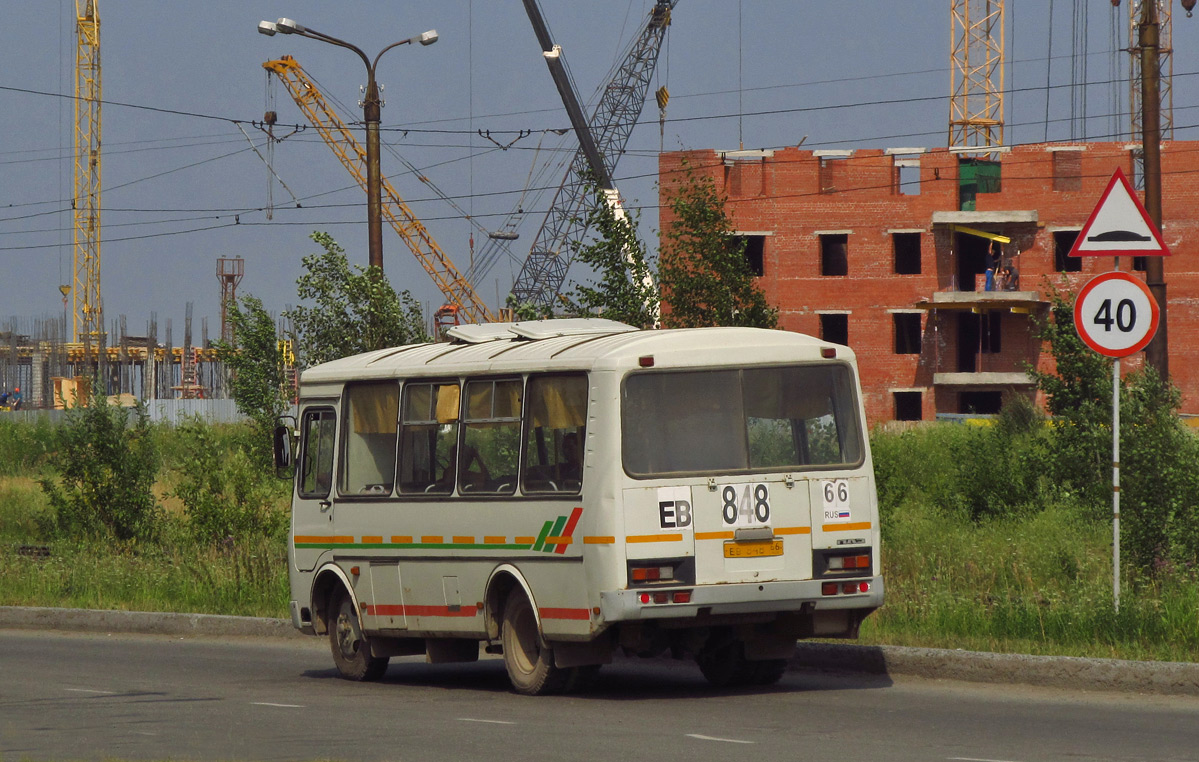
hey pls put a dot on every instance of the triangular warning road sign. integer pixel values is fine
(1119, 225)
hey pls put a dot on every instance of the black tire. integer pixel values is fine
(530, 663)
(767, 672)
(725, 666)
(582, 678)
(351, 649)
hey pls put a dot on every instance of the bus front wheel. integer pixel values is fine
(530, 664)
(351, 649)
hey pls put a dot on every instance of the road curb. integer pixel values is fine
(1161, 678)
(1068, 672)
(144, 623)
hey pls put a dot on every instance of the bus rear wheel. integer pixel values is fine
(351, 649)
(529, 662)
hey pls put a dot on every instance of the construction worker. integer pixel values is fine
(15, 399)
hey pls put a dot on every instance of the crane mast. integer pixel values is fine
(601, 144)
(457, 289)
(87, 323)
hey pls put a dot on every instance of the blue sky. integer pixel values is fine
(182, 189)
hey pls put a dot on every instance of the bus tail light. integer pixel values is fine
(844, 588)
(665, 596)
(841, 563)
(651, 573)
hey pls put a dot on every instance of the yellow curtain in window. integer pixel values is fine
(559, 403)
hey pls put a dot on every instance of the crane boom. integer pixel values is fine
(457, 289)
(544, 270)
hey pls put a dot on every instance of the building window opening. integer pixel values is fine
(830, 168)
(907, 177)
(1067, 170)
(980, 403)
(834, 254)
(1063, 241)
(907, 332)
(1140, 263)
(977, 335)
(907, 253)
(755, 248)
(834, 328)
(909, 406)
(973, 255)
(975, 177)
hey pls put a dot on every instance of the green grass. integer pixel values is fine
(1041, 584)
(240, 580)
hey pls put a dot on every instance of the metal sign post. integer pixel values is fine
(1116, 315)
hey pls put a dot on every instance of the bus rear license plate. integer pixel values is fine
(753, 549)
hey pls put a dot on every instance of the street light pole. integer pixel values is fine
(372, 107)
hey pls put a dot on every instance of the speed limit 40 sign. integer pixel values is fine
(1115, 314)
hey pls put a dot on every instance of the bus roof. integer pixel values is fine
(575, 344)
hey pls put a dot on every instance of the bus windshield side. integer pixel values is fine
(740, 420)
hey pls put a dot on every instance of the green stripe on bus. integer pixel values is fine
(545, 532)
(556, 532)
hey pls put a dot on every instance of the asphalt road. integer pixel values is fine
(129, 697)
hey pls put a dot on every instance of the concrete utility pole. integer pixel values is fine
(1157, 354)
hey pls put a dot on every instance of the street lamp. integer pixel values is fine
(371, 106)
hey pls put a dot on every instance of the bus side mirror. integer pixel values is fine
(283, 446)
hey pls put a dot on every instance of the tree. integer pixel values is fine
(354, 310)
(1078, 394)
(1158, 482)
(704, 275)
(256, 368)
(625, 289)
(106, 464)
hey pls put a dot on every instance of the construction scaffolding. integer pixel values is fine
(37, 357)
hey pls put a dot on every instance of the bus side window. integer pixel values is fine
(316, 464)
(491, 437)
(369, 446)
(428, 436)
(557, 411)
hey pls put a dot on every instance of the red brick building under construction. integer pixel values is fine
(885, 251)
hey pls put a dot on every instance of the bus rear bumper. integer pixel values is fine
(738, 598)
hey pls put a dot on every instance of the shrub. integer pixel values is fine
(225, 491)
(103, 471)
(1159, 486)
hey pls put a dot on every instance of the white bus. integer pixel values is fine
(562, 489)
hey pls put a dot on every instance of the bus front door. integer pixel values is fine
(312, 508)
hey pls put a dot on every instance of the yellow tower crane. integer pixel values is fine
(88, 319)
(458, 290)
(976, 106)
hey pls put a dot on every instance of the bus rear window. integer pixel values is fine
(752, 419)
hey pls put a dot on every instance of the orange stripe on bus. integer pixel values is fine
(432, 539)
(793, 530)
(713, 535)
(464, 540)
(551, 540)
(403, 539)
(490, 540)
(599, 540)
(525, 540)
(846, 527)
(319, 538)
(372, 540)
(654, 538)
